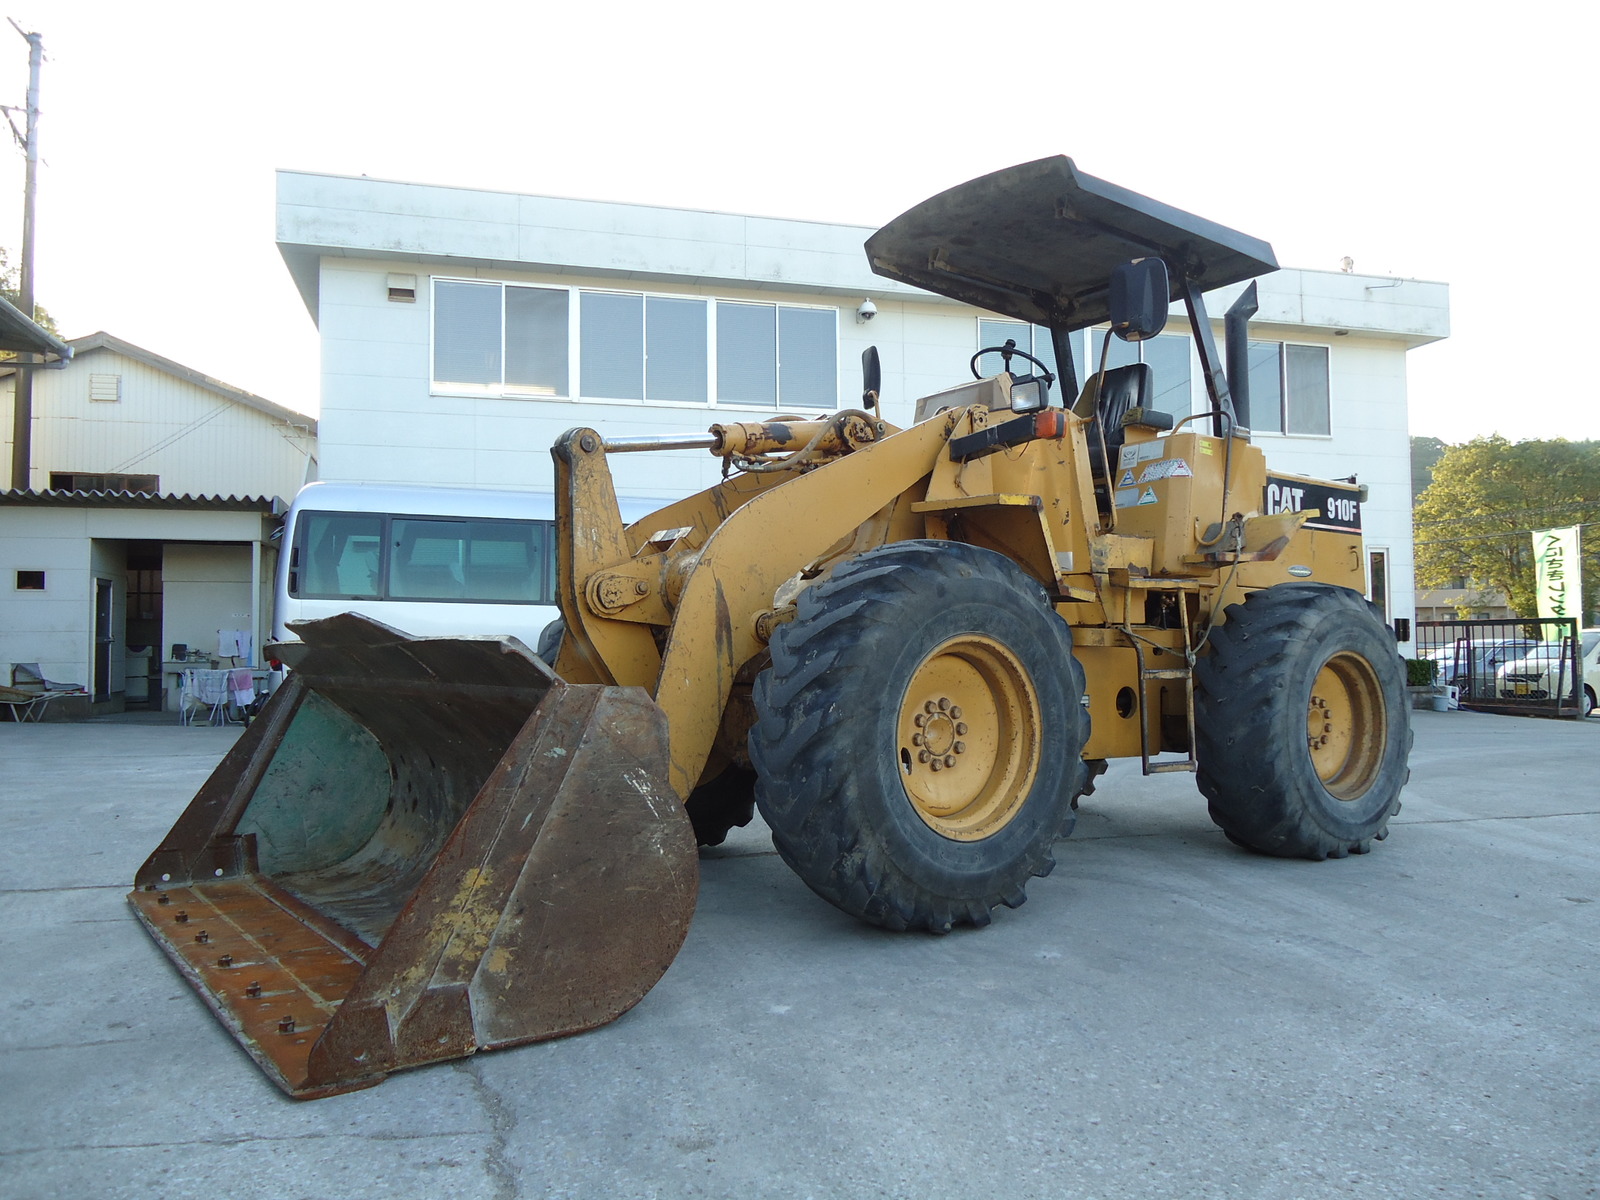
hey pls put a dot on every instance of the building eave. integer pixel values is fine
(17, 498)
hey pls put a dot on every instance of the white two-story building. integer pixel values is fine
(462, 331)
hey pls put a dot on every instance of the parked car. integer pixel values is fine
(1547, 668)
(1475, 669)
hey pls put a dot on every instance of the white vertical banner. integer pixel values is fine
(1558, 578)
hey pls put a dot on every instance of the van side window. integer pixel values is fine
(505, 561)
(339, 555)
(428, 559)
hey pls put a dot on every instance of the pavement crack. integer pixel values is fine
(80, 887)
(502, 1121)
(73, 1045)
(240, 1140)
(1497, 817)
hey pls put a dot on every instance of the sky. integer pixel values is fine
(1418, 139)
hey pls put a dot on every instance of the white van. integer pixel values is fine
(430, 561)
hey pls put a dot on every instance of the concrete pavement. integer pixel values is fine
(1167, 1016)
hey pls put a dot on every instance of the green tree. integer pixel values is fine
(11, 289)
(1425, 451)
(1473, 521)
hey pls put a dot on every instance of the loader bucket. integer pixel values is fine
(423, 848)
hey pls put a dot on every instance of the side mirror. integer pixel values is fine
(1139, 298)
(871, 378)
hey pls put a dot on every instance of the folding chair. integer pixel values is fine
(32, 693)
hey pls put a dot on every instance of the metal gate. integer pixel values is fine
(1529, 666)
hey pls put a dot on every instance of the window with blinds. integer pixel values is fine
(777, 355)
(642, 347)
(1032, 339)
(499, 338)
(509, 339)
(1289, 391)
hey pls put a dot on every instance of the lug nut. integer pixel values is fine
(955, 712)
(920, 720)
(949, 760)
(916, 739)
(923, 756)
(960, 747)
(961, 728)
(937, 764)
(929, 707)
(944, 702)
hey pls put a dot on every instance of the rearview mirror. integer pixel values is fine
(871, 377)
(1139, 299)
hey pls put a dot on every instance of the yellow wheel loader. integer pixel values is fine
(912, 649)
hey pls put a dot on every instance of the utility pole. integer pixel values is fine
(22, 407)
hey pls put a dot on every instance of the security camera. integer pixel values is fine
(866, 312)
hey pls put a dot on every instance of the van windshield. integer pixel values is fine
(375, 556)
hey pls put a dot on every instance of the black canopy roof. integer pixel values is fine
(1038, 242)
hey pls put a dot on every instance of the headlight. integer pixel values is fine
(1029, 394)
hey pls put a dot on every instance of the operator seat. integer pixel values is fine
(1122, 390)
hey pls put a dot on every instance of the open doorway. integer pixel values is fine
(142, 630)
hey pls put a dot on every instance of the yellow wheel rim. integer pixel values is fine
(1345, 726)
(969, 738)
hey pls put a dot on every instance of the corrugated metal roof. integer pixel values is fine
(60, 499)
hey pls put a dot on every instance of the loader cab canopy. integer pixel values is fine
(1039, 242)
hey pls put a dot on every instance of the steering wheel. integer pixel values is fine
(1007, 353)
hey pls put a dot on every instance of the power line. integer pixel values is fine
(1490, 537)
(1509, 512)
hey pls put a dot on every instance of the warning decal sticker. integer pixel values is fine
(1166, 468)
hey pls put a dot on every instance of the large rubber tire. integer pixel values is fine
(887, 651)
(720, 804)
(550, 639)
(1301, 721)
